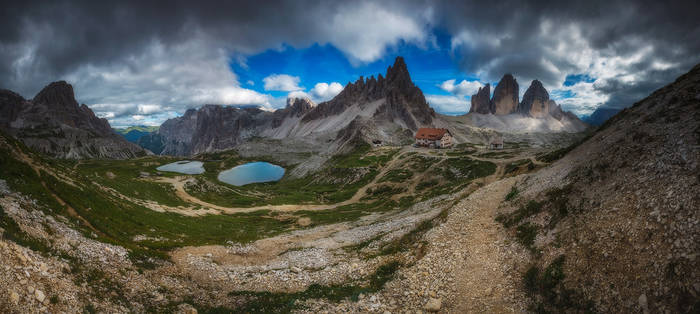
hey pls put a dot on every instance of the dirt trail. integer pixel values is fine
(484, 278)
(179, 185)
(470, 265)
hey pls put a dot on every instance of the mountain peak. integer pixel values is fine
(403, 99)
(57, 93)
(398, 71)
(505, 95)
(480, 100)
(298, 106)
(535, 100)
(297, 101)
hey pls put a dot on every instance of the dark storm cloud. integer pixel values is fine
(112, 49)
(509, 38)
(67, 34)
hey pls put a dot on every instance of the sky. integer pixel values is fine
(142, 62)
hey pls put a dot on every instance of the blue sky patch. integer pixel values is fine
(572, 79)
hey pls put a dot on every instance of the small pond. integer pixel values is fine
(183, 166)
(252, 172)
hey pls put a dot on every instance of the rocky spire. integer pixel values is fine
(398, 72)
(535, 101)
(57, 94)
(505, 96)
(404, 100)
(298, 106)
(480, 100)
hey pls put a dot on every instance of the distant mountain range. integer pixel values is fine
(53, 123)
(600, 115)
(388, 109)
(134, 133)
(535, 103)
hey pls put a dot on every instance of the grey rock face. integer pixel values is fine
(400, 105)
(53, 123)
(480, 100)
(535, 101)
(505, 96)
(404, 100)
(555, 110)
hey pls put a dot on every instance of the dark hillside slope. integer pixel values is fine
(614, 225)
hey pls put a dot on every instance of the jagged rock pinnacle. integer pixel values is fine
(57, 93)
(480, 100)
(535, 101)
(505, 96)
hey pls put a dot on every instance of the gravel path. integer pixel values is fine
(470, 266)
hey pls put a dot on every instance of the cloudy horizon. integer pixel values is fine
(136, 63)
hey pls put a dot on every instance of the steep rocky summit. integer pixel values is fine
(481, 102)
(53, 123)
(535, 113)
(536, 101)
(505, 95)
(403, 102)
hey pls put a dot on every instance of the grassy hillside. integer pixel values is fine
(134, 133)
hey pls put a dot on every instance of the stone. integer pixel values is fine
(433, 305)
(39, 295)
(14, 297)
(30, 289)
(643, 303)
(295, 269)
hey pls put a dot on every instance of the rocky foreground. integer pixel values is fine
(468, 265)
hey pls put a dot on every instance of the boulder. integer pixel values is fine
(433, 305)
(39, 295)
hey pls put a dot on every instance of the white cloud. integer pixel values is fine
(298, 94)
(321, 92)
(324, 91)
(282, 82)
(464, 88)
(162, 80)
(448, 104)
(364, 31)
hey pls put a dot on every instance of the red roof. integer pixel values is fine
(431, 133)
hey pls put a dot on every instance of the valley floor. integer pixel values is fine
(445, 252)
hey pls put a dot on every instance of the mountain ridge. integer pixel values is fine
(372, 108)
(55, 124)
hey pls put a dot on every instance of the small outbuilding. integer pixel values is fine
(434, 138)
(496, 143)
